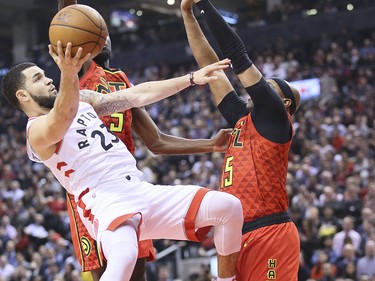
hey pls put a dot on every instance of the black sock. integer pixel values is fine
(229, 42)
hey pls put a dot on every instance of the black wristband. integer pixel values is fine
(192, 79)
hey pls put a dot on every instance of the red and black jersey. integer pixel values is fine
(254, 171)
(104, 81)
(256, 161)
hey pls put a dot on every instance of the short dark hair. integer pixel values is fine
(15, 80)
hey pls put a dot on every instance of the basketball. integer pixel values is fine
(81, 25)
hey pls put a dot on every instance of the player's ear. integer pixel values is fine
(287, 102)
(22, 95)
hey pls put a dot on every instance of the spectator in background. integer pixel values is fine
(329, 197)
(35, 264)
(347, 235)
(183, 170)
(329, 223)
(364, 278)
(10, 252)
(36, 231)
(308, 232)
(352, 203)
(164, 274)
(366, 226)
(6, 269)
(14, 191)
(202, 170)
(328, 273)
(304, 269)
(326, 245)
(348, 256)
(366, 264)
(369, 198)
(10, 230)
(350, 271)
(318, 271)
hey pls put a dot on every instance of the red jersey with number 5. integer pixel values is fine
(104, 81)
(254, 170)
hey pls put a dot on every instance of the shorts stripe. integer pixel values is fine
(191, 214)
(74, 228)
(90, 259)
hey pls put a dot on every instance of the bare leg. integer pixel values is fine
(139, 272)
(227, 265)
(97, 273)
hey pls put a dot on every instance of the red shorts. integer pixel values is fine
(86, 248)
(270, 253)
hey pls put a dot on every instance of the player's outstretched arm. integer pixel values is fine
(150, 92)
(160, 143)
(230, 44)
(201, 48)
(202, 51)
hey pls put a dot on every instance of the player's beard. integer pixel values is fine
(103, 57)
(45, 102)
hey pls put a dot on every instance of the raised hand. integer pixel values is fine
(206, 74)
(67, 63)
(186, 5)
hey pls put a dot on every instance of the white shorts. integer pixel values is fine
(167, 212)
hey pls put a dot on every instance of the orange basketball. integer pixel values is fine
(81, 25)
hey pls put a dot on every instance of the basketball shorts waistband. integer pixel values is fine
(265, 221)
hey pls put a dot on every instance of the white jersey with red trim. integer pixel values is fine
(88, 154)
(95, 166)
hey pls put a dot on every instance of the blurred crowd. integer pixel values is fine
(251, 13)
(162, 29)
(331, 178)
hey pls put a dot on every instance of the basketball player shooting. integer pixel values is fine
(97, 75)
(65, 133)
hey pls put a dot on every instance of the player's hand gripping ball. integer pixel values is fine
(81, 25)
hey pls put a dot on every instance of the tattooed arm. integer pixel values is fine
(106, 104)
(149, 92)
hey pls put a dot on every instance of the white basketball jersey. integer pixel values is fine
(88, 154)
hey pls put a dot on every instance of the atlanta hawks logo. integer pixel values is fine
(86, 246)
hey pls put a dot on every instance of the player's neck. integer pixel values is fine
(35, 111)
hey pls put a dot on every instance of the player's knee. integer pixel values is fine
(229, 213)
(229, 206)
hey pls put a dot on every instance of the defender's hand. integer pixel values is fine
(221, 139)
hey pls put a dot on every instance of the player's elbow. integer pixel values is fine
(157, 148)
(157, 145)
